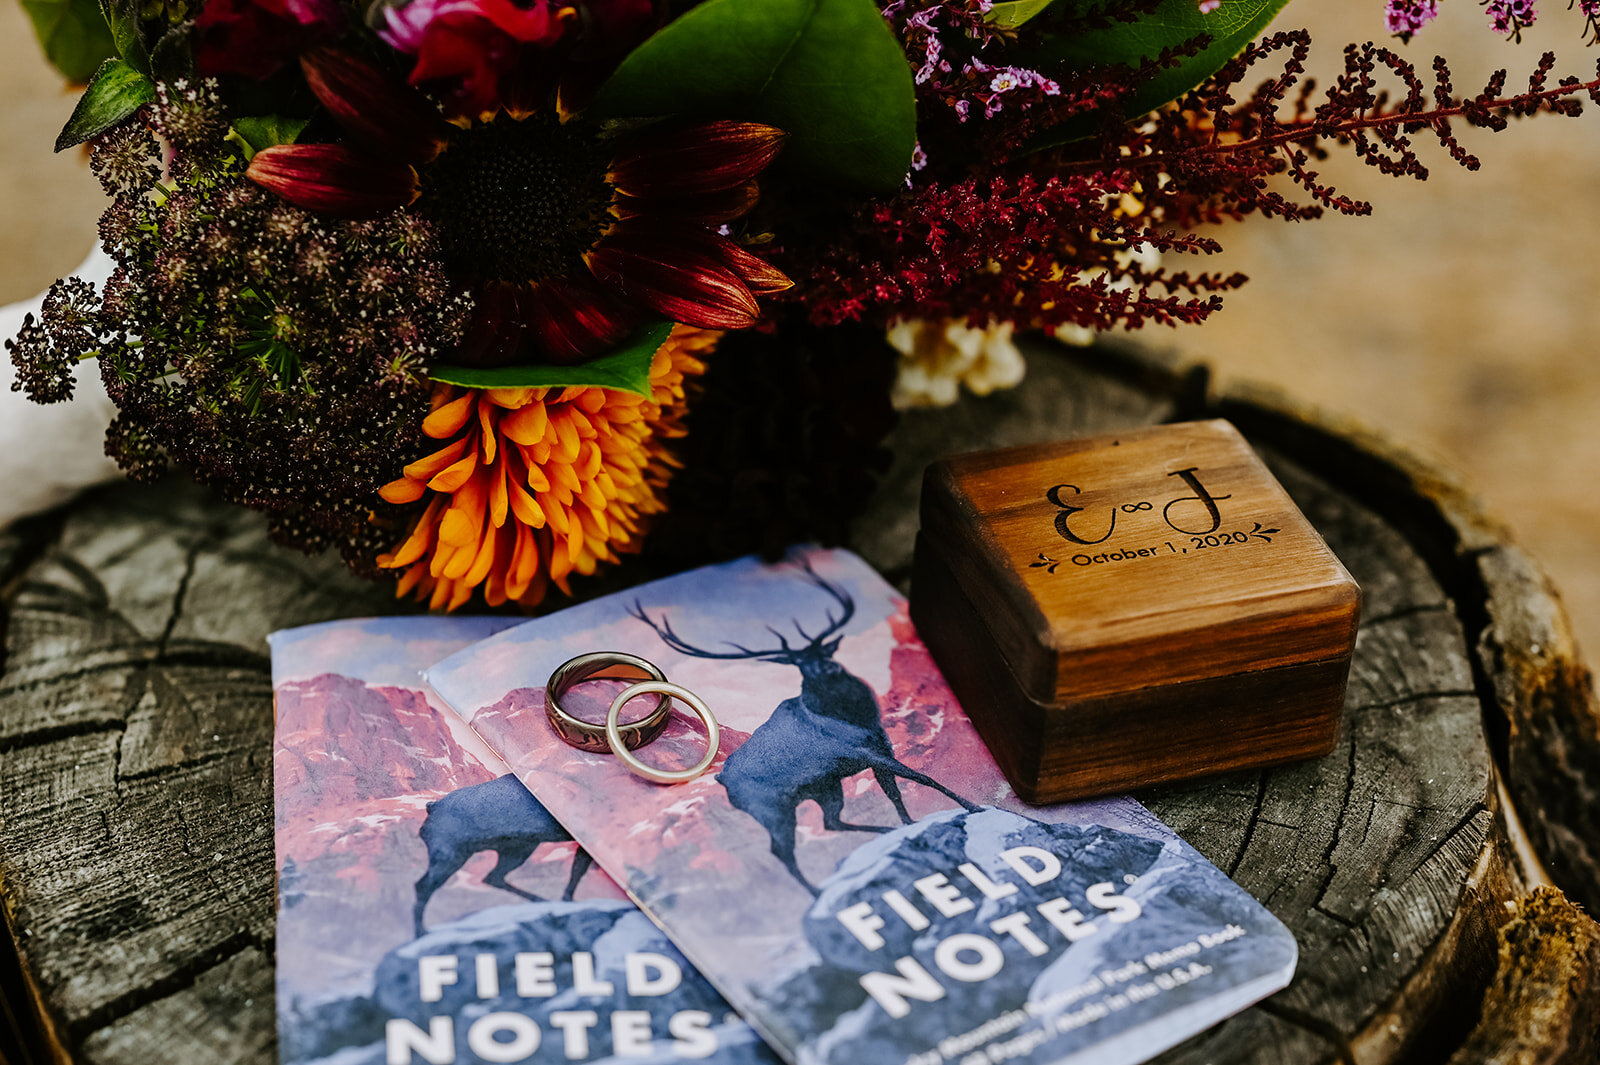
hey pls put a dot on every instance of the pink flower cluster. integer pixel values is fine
(1405, 17)
(479, 54)
(1510, 16)
(478, 51)
(943, 40)
(471, 44)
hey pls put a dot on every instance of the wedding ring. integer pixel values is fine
(666, 690)
(588, 736)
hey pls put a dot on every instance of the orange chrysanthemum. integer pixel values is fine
(536, 484)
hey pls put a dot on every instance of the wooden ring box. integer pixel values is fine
(1132, 608)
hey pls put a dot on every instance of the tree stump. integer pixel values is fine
(136, 852)
(1544, 1004)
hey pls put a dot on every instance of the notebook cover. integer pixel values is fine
(853, 872)
(392, 822)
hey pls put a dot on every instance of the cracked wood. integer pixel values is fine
(135, 805)
(136, 866)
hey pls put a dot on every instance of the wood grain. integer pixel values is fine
(1078, 620)
(135, 845)
(135, 796)
(1539, 695)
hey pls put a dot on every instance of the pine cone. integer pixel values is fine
(785, 443)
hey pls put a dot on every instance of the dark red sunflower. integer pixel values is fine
(568, 239)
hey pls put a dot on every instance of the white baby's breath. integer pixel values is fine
(939, 356)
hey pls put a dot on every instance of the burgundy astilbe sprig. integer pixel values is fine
(1045, 251)
(1378, 124)
(989, 232)
(1223, 152)
(983, 229)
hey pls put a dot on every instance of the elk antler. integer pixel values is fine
(839, 596)
(664, 630)
(783, 652)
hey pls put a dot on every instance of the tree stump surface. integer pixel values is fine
(136, 848)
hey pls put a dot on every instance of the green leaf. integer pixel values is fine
(828, 72)
(1009, 14)
(1174, 22)
(116, 92)
(73, 33)
(256, 132)
(627, 369)
(122, 16)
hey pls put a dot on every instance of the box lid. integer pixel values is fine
(1149, 557)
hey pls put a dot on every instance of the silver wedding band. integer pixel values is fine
(587, 735)
(666, 690)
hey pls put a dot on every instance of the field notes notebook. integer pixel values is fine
(430, 912)
(853, 873)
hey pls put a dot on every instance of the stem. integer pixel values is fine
(1303, 130)
(1310, 129)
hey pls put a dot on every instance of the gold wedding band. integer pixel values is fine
(588, 736)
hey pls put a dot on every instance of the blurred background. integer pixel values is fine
(1459, 319)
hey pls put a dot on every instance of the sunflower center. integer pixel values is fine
(518, 201)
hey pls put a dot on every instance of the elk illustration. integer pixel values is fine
(812, 742)
(497, 815)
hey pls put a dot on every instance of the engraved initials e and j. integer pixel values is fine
(1202, 495)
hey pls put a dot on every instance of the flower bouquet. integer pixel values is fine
(490, 293)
